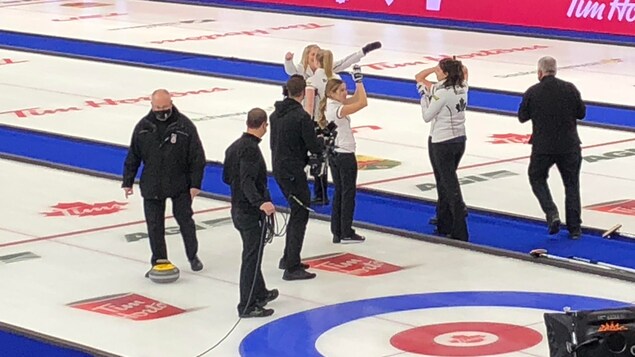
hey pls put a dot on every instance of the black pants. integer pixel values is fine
(154, 210)
(451, 210)
(344, 168)
(568, 165)
(295, 184)
(250, 226)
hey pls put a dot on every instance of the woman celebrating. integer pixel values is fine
(315, 89)
(336, 107)
(443, 104)
(308, 63)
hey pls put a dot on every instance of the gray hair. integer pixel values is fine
(547, 65)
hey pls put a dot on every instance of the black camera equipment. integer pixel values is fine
(318, 163)
(598, 333)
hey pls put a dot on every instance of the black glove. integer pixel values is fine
(371, 47)
(357, 74)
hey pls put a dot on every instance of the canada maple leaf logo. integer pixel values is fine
(461, 105)
(467, 338)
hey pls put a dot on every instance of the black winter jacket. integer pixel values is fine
(172, 163)
(292, 136)
(554, 106)
(245, 171)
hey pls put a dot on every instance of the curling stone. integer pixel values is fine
(164, 272)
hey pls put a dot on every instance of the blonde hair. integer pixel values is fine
(331, 87)
(325, 58)
(305, 55)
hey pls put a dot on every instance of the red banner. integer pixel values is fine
(600, 16)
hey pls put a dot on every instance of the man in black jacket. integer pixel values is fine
(245, 171)
(168, 145)
(554, 106)
(292, 136)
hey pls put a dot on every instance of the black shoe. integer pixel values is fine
(299, 274)
(575, 233)
(269, 297)
(371, 47)
(554, 224)
(356, 238)
(196, 264)
(282, 265)
(257, 311)
(336, 239)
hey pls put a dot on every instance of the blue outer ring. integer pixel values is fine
(296, 335)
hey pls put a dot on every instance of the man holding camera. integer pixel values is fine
(292, 137)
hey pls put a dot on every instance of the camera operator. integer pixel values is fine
(292, 136)
(336, 108)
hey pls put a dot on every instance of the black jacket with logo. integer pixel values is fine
(292, 136)
(172, 155)
(245, 171)
(553, 106)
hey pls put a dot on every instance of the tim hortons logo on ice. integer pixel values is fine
(81, 209)
(7, 61)
(428, 59)
(175, 23)
(84, 5)
(264, 31)
(616, 10)
(87, 17)
(625, 207)
(128, 306)
(510, 138)
(352, 264)
(100, 103)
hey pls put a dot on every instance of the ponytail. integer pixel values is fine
(322, 121)
(331, 86)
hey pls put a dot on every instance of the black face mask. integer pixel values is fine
(162, 115)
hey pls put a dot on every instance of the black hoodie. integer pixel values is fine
(292, 136)
(173, 158)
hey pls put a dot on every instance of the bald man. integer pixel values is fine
(168, 145)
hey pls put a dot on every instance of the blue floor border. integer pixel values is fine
(19, 342)
(488, 229)
(488, 100)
